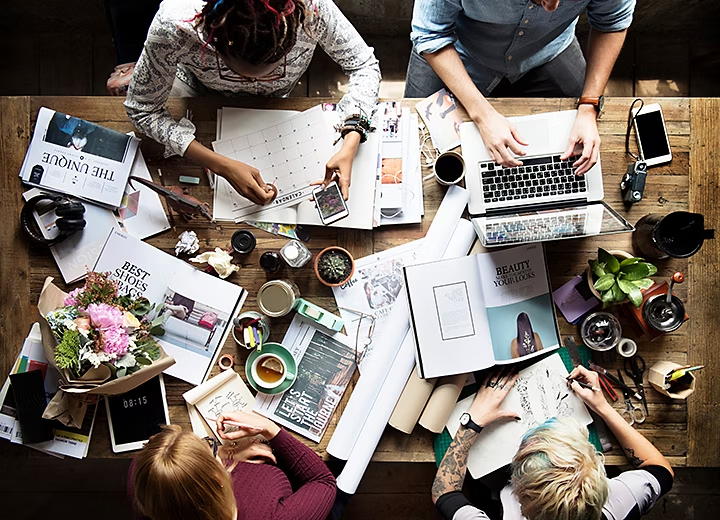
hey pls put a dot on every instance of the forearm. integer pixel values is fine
(603, 50)
(639, 450)
(451, 472)
(202, 155)
(449, 67)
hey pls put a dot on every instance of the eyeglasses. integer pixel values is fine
(239, 78)
(363, 342)
(213, 444)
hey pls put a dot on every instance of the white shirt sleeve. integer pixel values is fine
(638, 487)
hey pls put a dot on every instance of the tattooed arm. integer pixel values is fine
(640, 451)
(484, 410)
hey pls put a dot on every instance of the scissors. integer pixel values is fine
(636, 371)
(632, 414)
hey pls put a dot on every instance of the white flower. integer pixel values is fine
(130, 322)
(95, 358)
(128, 360)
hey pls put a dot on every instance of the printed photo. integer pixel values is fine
(192, 325)
(78, 134)
(382, 282)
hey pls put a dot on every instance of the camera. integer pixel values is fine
(633, 183)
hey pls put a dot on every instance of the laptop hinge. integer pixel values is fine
(537, 206)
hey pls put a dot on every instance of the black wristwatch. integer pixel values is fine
(466, 420)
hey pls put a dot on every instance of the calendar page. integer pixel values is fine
(290, 155)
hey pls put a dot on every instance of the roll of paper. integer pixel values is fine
(368, 435)
(413, 399)
(442, 402)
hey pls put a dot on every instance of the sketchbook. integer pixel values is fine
(74, 156)
(539, 394)
(198, 307)
(473, 312)
(226, 392)
(297, 156)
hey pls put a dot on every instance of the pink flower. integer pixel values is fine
(83, 323)
(71, 299)
(115, 341)
(104, 316)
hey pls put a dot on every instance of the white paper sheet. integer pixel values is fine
(365, 394)
(540, 393)
(392, 387)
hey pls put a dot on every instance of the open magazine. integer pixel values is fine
(326, 362)
(67, 441)
(198, 307)
(473, 312)
(73, 156)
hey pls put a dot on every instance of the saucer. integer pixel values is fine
(281, 352)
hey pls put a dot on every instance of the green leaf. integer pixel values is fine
(157, 331)
(158, 321)
(607, 299)
(651, 268)
(632, 291)
(643, 283)
(121, 372)
(611, 263)
(636, 271)
(142, 360)
(618, 295)
(604, 282)
(630, 261)
(597, 268)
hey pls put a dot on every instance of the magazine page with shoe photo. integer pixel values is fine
(471, 313)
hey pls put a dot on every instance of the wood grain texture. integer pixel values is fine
(704, 292)
(667, 190)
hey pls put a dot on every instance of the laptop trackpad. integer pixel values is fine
(537, 134)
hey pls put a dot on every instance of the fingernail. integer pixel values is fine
(518, 418)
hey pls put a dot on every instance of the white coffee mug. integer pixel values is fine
(449, 168)
(261, 382)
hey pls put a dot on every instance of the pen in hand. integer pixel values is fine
(237, 424)
(583, 384)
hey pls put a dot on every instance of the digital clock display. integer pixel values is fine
(139, 413)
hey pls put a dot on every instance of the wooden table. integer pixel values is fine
(686, 432)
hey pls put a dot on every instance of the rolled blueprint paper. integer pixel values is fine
(368, 387)
(442, 402)
(368, 435)
(411, 403)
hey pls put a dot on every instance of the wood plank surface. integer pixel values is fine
(667, 190)
(704, 292)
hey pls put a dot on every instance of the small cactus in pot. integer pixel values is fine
(334, 266)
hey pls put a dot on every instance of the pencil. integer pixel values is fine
(585, 385)
(233, 423)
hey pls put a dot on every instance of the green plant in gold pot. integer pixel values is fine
(334, 266)
(615, 276)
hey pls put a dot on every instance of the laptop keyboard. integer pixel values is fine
(538, 177)
(536, 228)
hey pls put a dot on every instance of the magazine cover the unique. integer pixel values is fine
(326, 362)
(198, 307)
(77, 157)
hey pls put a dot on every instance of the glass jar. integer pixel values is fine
(295, 253)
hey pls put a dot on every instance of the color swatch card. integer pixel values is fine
(290, 154)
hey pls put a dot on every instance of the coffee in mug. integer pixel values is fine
(449, 168)
(269, 371)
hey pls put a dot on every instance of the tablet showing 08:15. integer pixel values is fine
(135, 416)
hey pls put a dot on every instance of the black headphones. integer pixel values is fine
(70, 218)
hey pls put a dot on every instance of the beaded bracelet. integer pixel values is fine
(355, 123)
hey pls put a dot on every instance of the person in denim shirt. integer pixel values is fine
(513, 48)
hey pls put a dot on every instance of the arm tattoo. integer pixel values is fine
(635, 461)
(451, 472)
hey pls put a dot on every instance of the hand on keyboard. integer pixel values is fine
(501, 138)
(584, 135)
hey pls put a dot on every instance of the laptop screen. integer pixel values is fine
(550, 224)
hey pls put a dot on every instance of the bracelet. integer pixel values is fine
(355, 123)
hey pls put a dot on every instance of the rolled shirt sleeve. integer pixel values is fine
(610, 15)
(433, 24)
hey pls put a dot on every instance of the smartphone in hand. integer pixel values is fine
(330, 203)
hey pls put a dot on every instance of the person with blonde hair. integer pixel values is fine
(260, 472)
(556, 473)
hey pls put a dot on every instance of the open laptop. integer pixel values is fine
(541, 200)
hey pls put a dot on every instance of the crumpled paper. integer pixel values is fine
(188, 243)
(219, 260)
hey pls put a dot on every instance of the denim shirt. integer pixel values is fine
(506, 38)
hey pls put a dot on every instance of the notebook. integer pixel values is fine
(541, 200)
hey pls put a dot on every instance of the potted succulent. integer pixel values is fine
(334, 266)
(615, 276)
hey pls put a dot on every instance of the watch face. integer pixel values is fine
(464, 419)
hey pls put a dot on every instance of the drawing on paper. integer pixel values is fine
(290, 155)
(383, 282)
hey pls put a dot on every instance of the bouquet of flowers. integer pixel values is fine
(95, 326)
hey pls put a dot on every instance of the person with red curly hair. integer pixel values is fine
(247, 47)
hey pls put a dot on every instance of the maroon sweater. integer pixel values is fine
(300, 487)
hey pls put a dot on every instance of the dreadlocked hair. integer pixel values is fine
(259, 32)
